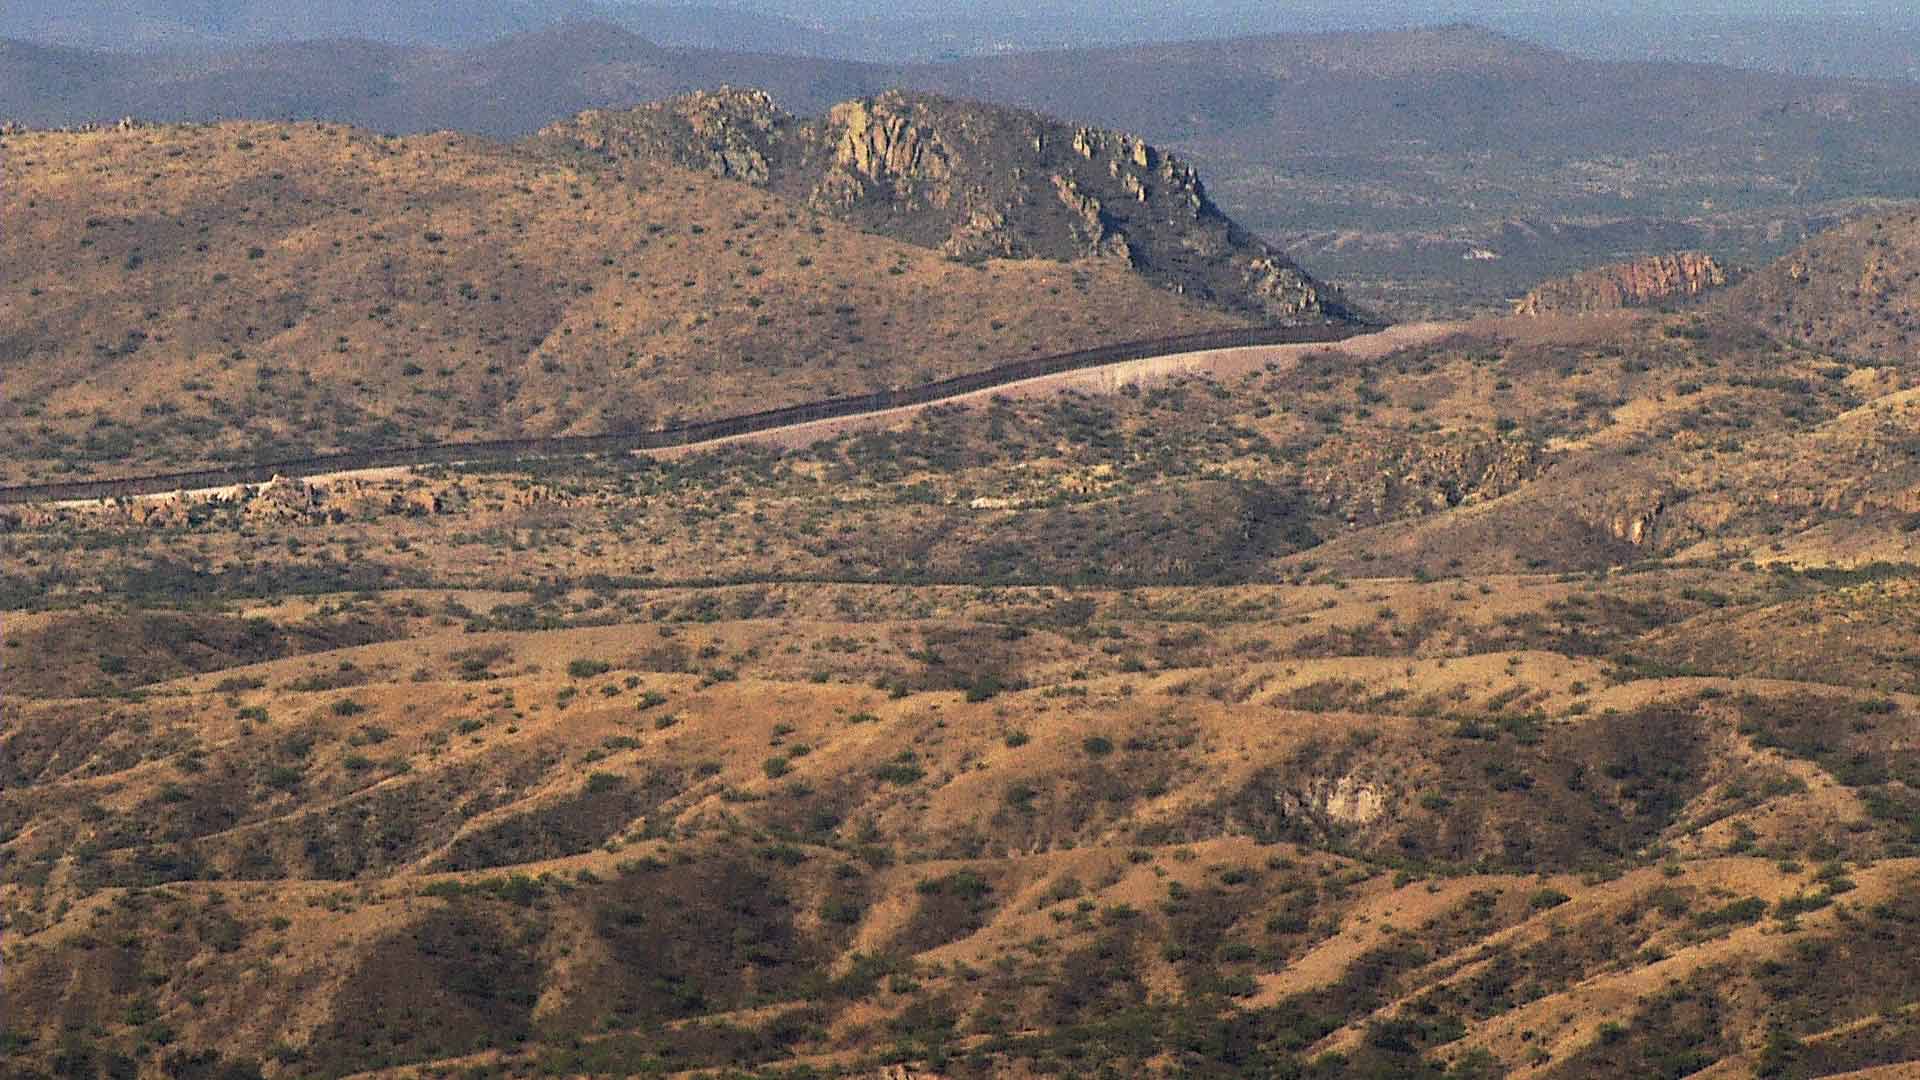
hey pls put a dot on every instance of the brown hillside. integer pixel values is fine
(975, 182)
(1854, 290)
(247, 291)
(1392, 162)
(1537, 701)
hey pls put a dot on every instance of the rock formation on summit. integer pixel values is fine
(976, 182)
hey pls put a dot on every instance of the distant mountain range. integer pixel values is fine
(1789, 38)
(147, 25)
(1835, 43)
(1434, 170)
(507, 87)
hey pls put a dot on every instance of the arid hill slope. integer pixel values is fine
(974, 182)
(1538, 703)
(1379, 160)
(251, 291)
(1853, 290)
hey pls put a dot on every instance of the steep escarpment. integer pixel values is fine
(1637, 283)
(974, 182)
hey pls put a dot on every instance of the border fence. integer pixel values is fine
(679, 434)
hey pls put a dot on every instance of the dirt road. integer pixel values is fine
(1097, 378)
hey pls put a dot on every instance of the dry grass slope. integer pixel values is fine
(249, 291)
(1537, 702)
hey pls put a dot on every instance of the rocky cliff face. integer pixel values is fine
(976, 182)
(1639, 283)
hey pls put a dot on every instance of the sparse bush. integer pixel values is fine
(1546, 899)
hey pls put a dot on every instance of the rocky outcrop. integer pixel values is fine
(728, 133)
(976, 182)
(1348, 800)
(982, 235)
(888, 149)
(1639, 283)
(1632, 517)
(1282, 291)
(1091, 227)
(1374, 480)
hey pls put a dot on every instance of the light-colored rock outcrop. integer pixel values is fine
(282, 499)
(883, 142)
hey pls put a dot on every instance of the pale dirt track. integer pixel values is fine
(1105, 379)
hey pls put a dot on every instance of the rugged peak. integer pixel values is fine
(1637, 283)
(726, 106)
(886, 138)
(727, 132)
(975, 181)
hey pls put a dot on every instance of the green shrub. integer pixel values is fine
(1546, 899)
(284, 777)
(841, 910)
(984, 687)
(1737, 913)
